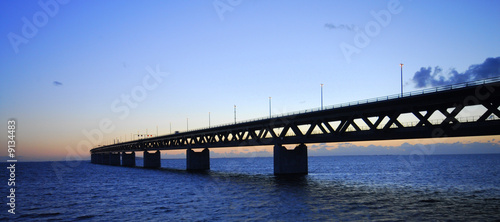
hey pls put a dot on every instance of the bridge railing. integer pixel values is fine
(371, 100)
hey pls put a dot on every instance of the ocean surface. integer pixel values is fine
(339, 188)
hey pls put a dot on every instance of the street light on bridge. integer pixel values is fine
(270, 107)
(321, 96)
(401, 64)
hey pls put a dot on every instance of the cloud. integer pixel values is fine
(352, 28)
(428, 77)
(56, 83)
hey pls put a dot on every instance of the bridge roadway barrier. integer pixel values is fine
(152, 160)
(197, 160)
(128, 159)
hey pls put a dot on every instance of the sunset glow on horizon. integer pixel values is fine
(77, 75)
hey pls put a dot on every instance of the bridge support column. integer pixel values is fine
(128, 159)
(114, 159)
(100, 158)
(97, 158)
(290, 161)
(198, 160)
(105, 158)
(93, 158)
(152, 160)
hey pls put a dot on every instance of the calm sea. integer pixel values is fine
(443, 187)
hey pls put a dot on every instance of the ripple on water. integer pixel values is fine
(339, 188)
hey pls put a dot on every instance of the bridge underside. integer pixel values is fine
(455, 112)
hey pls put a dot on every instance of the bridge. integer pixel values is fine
(446, 111)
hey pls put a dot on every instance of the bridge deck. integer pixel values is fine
(375, 119)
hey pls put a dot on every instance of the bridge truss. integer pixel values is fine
(469, 109)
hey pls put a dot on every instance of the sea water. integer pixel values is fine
(437, 187)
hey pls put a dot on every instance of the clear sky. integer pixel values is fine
(69, 66)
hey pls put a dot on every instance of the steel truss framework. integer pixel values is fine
(378, 120)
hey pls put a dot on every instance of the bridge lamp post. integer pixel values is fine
(270, 107)
(321, 96)
(234, 114)
(187, 124)
(401, 64)
(208, 119)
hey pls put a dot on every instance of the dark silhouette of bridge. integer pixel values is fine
(431, 113)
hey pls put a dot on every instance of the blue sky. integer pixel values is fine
(217, 54)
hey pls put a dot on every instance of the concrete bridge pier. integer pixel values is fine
(152, 160)
(100, 158)
(97, 158)
(93, 158)
(105, 158)
(114, 159)
(128, 159)
(197, 160)
(290, 161)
